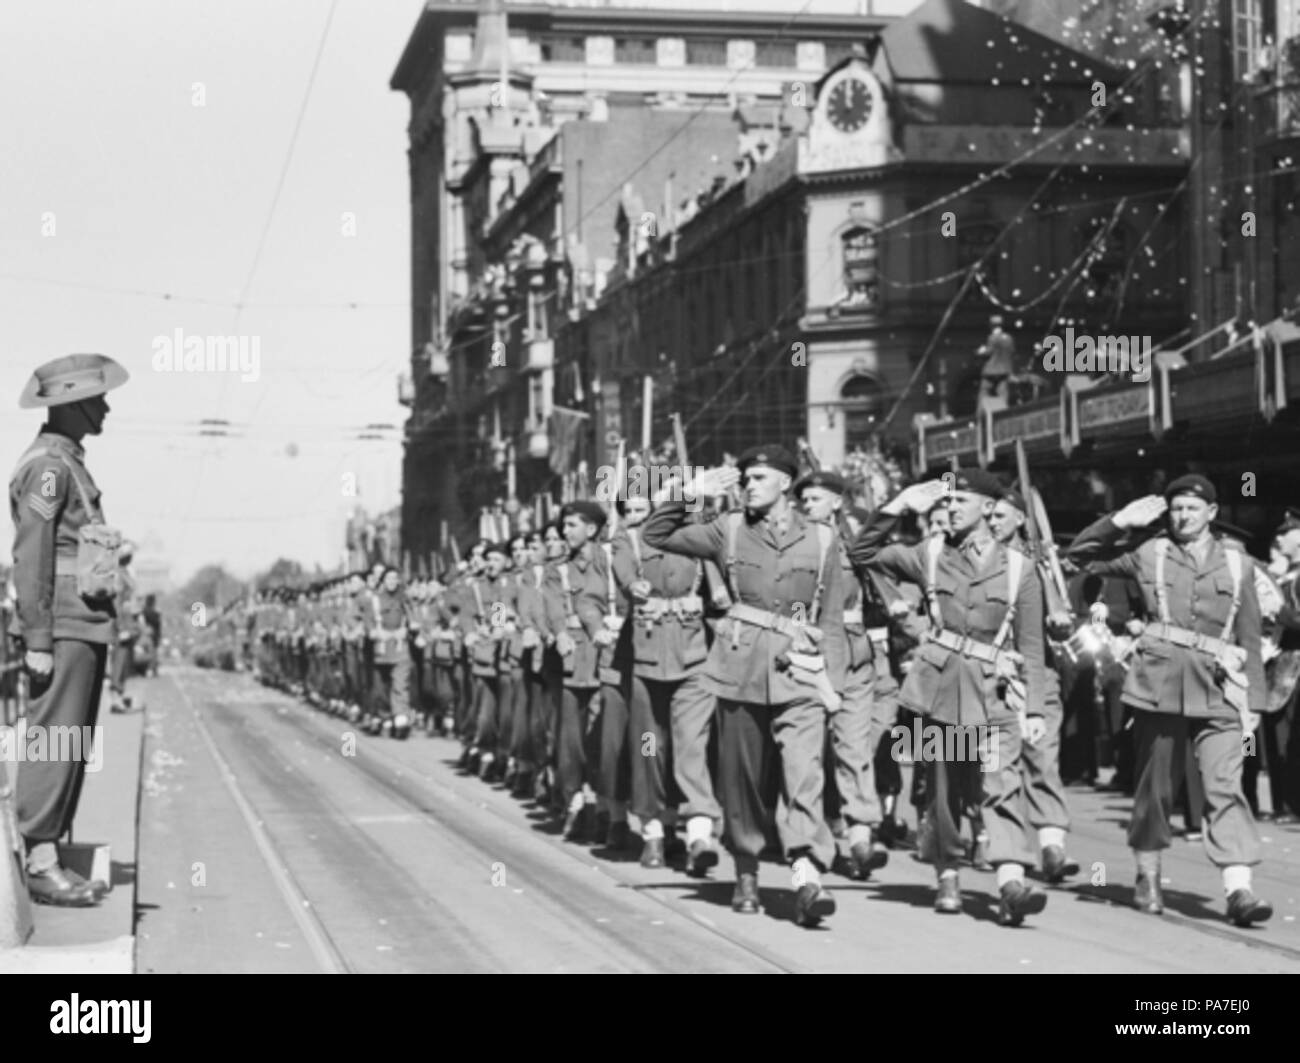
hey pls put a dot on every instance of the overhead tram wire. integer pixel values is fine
(270, 216)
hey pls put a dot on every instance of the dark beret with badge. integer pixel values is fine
(495, 548)
(591, 512)
(832, 481)
(774, 457)
(979, 482)
(1192, 484)
(1015, 499)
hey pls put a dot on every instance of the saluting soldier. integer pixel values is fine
(65, 572)
(1196, 671)
(775, 664)
(850, 731)
(670, 706)
(1041, 761)
(978, 671)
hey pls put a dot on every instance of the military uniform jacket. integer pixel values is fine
(1168, 678)
(532, 615)
(577, 603)
(860, 649)
(972, 601)
(667, 644)
(775, 572)
(390, 615)
(48, 512)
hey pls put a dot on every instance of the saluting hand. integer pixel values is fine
(1140, 513)
(39, 664)
(712, 483)
(919, 498)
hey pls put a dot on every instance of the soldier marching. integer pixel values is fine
(594, 667)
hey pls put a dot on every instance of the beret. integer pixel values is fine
(832, 481)
(1291, 521)
(979, 482)
(774, 456)
(495, 548)
(593, 512)
(1192, 484)
(1016, 499)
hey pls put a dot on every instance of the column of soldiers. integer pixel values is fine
(756, 680)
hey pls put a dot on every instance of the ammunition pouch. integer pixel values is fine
(96, 569)
(809, 669)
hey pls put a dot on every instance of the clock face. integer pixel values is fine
(849, 105)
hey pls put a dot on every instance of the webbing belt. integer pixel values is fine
(747, 614)
(852, 616)
(1190, 640)
(968, 647)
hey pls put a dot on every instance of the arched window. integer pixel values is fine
(863, 400)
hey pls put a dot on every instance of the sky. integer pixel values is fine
(144, 141)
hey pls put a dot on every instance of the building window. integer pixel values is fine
(973, 243)
(861, 272)
(706, 52)
(634, 50)
(863, 400)
(1247, 36)
(774, 53)
(564, 50)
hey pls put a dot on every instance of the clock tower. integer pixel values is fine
(850, 126)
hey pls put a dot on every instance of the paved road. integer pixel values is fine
(275, 838)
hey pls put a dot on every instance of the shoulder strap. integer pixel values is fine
(611, 590)
(825, 535)
(478, 596)
(933, 548)
(563, 569)
(734, 519)
(1233, 558)
(636, 550)
(1162, 599)
(1015, 569)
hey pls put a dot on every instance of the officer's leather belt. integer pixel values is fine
(747, 614)
(1189, 640)
(967, 647)
(685, 607)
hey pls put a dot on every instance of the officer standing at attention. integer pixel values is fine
(1196, 670)
(65, 574)
(777, 660)
(983, 599)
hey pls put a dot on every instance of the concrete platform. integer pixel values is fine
(97, 940)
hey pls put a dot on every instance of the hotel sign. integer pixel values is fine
(1001, 144)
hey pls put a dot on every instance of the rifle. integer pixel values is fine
(1040, 536)
(620, 487)
(717, 585)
